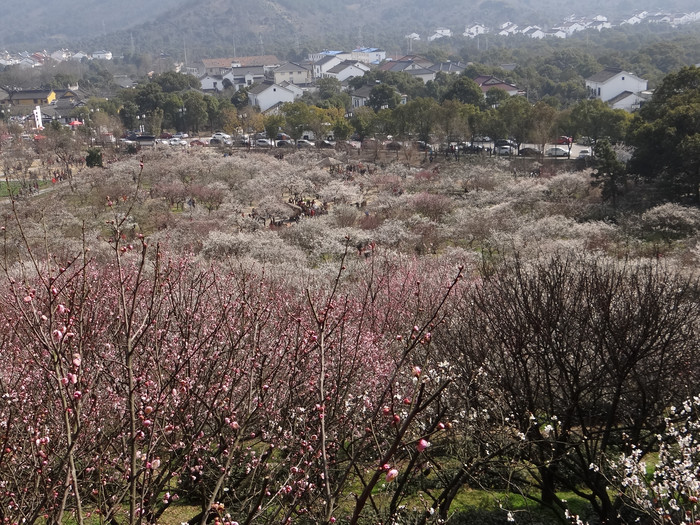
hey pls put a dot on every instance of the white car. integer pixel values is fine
(220, 135)
(303, 143)
(180, 135)
(557, 152)
(177, 142)
(503, 150)
(263, 143)
(584, 153)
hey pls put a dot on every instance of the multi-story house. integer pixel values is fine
(610, 83)
(293, 73)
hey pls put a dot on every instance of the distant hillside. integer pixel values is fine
(284, 27)
(35, 24)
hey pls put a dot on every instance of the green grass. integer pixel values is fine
(15, 186)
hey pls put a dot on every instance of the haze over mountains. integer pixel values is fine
(213, 27)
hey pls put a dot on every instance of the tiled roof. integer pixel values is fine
(604, 75)
(620, 97)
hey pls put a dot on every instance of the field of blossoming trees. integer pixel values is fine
(185, 341)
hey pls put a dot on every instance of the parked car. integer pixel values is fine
(328, 144)
(565, 140)
(557, 152)
(221, 135)
(482, 139)
(529, 152)
(471, 148)
(197, 143)
(584, 153)
(585, 141)
(216, 142)
(263, 143)
(283, 136)
(180, 135)
(284, 143)
(503, 150)
(166, 135)
(303, 143)
(505, 142)
(177, 142)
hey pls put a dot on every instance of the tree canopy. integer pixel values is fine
(666, 135)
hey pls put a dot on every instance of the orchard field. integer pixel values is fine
(197, 337)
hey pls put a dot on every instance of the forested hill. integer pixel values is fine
(34, 24)
(216, 27)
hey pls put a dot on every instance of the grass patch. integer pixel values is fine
(15, 187)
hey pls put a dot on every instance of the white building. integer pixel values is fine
(102, 55)
(213, 83)
(611, 83)
(268, 94)
(325, 63)
(346, 70)
(368, 55)
(475, 30)
(440, 32)
(293, 73)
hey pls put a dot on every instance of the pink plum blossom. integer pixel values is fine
(391, 475)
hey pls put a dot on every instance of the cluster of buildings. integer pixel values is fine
(39, 58)
(270, 83)
(55, 104)
(564, 29)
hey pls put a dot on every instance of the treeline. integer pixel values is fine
(452, 109)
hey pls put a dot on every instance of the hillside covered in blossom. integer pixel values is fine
(205, 335)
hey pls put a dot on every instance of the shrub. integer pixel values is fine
(94, 158)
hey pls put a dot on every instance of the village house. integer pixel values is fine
(60, 55)
(293, 73)
(610, 83)
(245, 76)
(212, 83)
(221, 66)
(102, 55)
(32, 97)
(488, 82)
(475, 30)
(317, 57)
(533, 32)
(417, 69)
(267, 94)
(440, 32)
(368, 55)
(325, 63)
(448, 67)
(360, 97)
(346, 70)
(79, 56)
(507, 28)
(64, 107)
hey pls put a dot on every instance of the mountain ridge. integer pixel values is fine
(228, 27)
